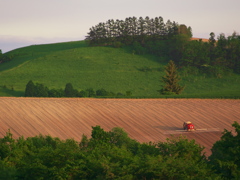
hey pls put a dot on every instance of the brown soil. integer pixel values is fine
(197, 39)
(143, 119)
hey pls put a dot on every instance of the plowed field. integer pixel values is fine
(143, 119)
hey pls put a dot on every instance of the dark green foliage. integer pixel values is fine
(183, 159)
(6, 145)
(4, 58)
(90, 92)
(30, 89)
(216, 71)
(69, 91)
(99, 134)
(118, 70)
(227, 51)
(101, 92)
(225, 156)
(132, 30)
(113, 155)
(7, 172)
(196, 54)
(212, 40)
(168, 40)
(82, 93)
(177, 146)
(171, 80)
(40, 90)
(56, 93)
(128, 93)
(183, 29)
(138, 48)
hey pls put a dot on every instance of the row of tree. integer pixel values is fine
(223, 52)
(39, 90)
(134, 29)
(113, 155)
(171, 41)
(170, 86)
(215, 57)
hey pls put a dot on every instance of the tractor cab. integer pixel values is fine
(188, 126)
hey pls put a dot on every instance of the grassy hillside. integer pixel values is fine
(114, 69)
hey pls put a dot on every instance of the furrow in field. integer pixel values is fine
(143, 119)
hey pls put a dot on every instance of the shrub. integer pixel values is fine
(128, 93)
(101, 92)
(30, 89)
(83, 93)
(40, 90)
(56, 93)
(90, 92)
(69, 91)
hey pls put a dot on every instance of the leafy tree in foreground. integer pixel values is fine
(184, 158)
(106, 155)
(171, 80)
(225, 156)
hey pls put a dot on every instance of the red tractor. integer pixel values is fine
(188, 126)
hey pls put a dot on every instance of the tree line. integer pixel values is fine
(215, 56)
(39, 90)
(114, 155)
(132, 30)
(172, 42)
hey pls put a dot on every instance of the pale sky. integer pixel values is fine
(28, 22)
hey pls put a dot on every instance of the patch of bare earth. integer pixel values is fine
(200, 39)
(143, 119)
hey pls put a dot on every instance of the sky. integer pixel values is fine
(29, 22)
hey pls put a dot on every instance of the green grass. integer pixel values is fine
(114, 69)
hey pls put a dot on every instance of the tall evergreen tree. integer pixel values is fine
(212, 44)
(171, 80)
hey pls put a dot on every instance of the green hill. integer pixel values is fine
(114, 69)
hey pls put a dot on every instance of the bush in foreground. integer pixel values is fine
(105, 155)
